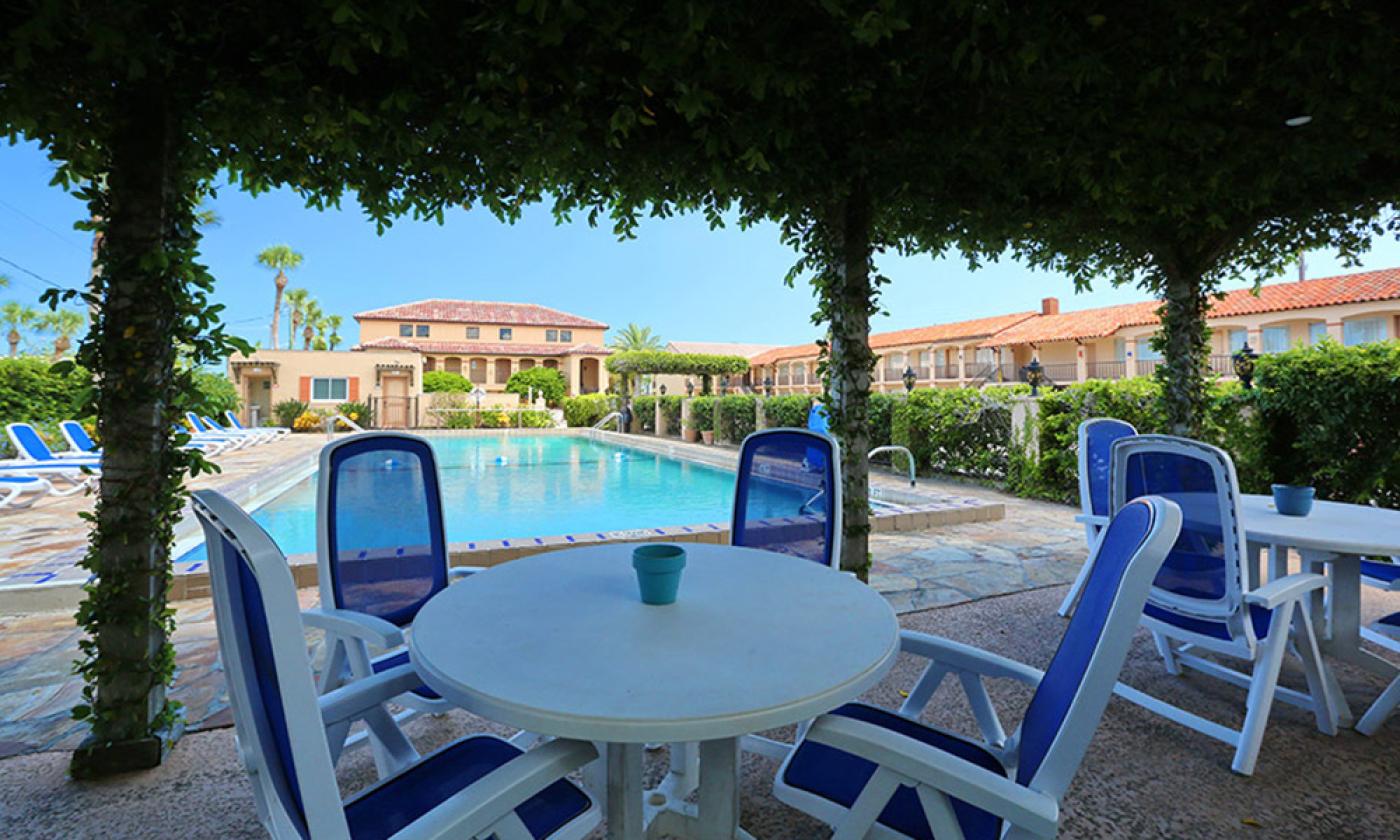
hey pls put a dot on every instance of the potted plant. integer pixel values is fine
(1287, 464)
(702, 417)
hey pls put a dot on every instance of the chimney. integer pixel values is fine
(1050, 306)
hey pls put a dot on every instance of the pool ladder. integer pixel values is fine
(907, 454)
(611, 415)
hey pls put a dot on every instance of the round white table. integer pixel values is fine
(1332, 537)
(561, 644)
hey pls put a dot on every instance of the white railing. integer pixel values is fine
(611, 415)
(907, 454)
(341, 418)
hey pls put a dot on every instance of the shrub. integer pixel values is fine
(702, 414)
(494, 419)
(441, 380)
(32, 393)
(459, 420)
(216, 393)
(671, 408)
(881, 415)
(287, 412)
(308, 421)
(737, 417)
(644, 409)
(788, 411)
(358, 412)
(536, 420)
(587, 409)
(963, 431)
(546, 382)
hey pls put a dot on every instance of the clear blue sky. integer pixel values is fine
(678, 277)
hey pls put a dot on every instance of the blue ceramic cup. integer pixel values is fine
(658, 567)
(1292, 500)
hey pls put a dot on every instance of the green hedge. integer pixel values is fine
(960, 431)
(441, 380)
(702, 414)
(788, 411)
(671, 408)
(587, 409)
(881, 422)
(645, 410)
(737, 417)
(546, 382)
(660, 361)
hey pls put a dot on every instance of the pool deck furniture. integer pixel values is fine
(31, 447)
(790, 458)
(21, 491)
(477, 786)
(870, 772)
(1205, 600)
(234, 423)
(202, 433)
(374, 579)
(1096, 438)
(561, 644)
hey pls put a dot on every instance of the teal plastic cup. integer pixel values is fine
(1293, 500)
(658, 567)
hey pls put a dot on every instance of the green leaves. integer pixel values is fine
(659, 361)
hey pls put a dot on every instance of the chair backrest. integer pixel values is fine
(77, 436)
(380, 540)
(1067, 705)
(818, 420)
(263, 650)
(196, 425)
(787, 494)
(28, 442)
(232, 419)
(210, 424)
(1202, 576)
(1096, 438)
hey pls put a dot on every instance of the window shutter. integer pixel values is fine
(354, 387)
(304, 389)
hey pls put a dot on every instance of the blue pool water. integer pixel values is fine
(504, 487)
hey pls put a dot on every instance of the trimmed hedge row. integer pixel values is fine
(644, 408)
(671, 408)
(959, 431)
(588, 409)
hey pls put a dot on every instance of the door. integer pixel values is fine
(394, 408)
(258, 401)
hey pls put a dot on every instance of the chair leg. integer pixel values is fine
(1380, 710)
(1314, 668)
(1261, 693)
(1164, 647)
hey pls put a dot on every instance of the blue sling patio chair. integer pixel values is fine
(873, 773)
(31, 447)
(1384, 632)
(477, 787)
(381, 553)
(1202, 602)
(1096, 438)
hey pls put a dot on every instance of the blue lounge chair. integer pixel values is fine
(870, 772)
(1201, 601)
(31, 447)
(479, 786)
(1096, 438)
(22, 491)
(381, 553)
(235, 423)
(256, 435)
(1384, 632)
(200, 433)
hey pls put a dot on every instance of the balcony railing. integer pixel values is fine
(1145, 367)
(945, 372)
(799, 377)
(1107, 370)
(1222, 365)
(784, 379)
(923, 372)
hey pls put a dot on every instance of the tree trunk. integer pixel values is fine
(277, 304)
(149, 235)
(1185, 349)
(13, 338)
(307, 334)
(847, 298)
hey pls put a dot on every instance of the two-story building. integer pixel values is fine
(484, 341)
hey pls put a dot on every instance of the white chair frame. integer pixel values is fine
(1386, 636)
(485, 809)
(1291, 626)
(1093, 522)
(1030, 810)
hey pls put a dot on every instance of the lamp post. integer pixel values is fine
(768, 386)
(724, 385)
(909, 378)
(1243, 362)
(1035, 376)
(689, 387)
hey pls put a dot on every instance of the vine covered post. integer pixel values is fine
(1185, 346)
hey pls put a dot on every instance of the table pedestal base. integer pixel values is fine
(632, 813)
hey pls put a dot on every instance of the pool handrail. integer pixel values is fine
(611, 415)
(907, 454)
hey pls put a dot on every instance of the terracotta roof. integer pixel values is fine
(720, 348)
(1275, 297)
(479, 312)
(796, 351)
(477, 348)
(976, 328)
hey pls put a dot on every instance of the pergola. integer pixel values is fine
(1156, 145)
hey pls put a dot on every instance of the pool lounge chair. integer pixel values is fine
(479, 786)
(31, 447)
(258, 435)
(203, 434)
(22, 491)
(877, 773)
(235, 423)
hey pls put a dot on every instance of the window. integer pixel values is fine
(1120, 349)
(505, 333)
(1275, 339)
(1317, 331)
(1363, 331)
(473, 332)
(1237, 340)
(1145, 350)
(566, 335)
(551, 335)
(330, 389)
(406, 330)
(422, 330)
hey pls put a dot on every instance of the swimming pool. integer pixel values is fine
(510, 486)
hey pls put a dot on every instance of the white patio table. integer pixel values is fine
(560, 644)
(1334, 536)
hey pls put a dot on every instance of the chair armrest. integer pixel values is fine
(1032, 811)
(371, 629)
(1286, 588)
(350, 702)
(459, 572)
(486, 801)
(1091, 519)
(960, 657)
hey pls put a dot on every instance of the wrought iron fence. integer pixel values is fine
(1107, 370)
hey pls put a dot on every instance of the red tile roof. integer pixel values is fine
(479, 312)
(949, 332)
(796, 351)
(477, 348)
(1275, 297)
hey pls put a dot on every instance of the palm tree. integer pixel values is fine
(311, 316)
(280, 258)
(333, 325)
(296, 304)
(15, 315)
(64, 324)
(633, 337)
